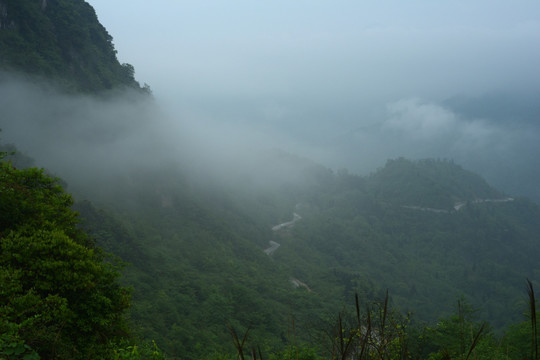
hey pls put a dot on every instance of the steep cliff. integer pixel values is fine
(63, 40)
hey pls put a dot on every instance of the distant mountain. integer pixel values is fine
(61, 40)
(511, 163)
(429, 231)
(283, 244)
(428, 183)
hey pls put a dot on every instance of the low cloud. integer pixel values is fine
(89, 140)
(94, 142)
(419, 120)
(503, 150)
(424, 123)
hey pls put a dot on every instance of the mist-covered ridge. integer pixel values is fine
(259, 193)
(429, 183)
(60, 40)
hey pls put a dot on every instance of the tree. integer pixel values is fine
(59, 294)
(459, 336)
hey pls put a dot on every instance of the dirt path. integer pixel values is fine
(273, 247)
(296, 217)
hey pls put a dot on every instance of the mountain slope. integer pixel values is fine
(429, 231)
(428, 183)
(403, 232)
(197, 263)
(61, 40)
(198, 257)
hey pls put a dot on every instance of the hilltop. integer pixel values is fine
(429, 183)
(61, 40)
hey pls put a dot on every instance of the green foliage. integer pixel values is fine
(197, 263)
(428, 183)
(12, 348)
(378, 332)
(196, 253)
(296, 353)
(18, 159)
(144, 351)
(197, 259)
(516, 341)
(424, 256)
(34, 200)
(459, 336)
(62, 41)
(58, 295)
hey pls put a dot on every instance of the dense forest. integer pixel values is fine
(421, 259)
(63, 41)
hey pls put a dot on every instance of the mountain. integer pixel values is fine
(516, 169)
(275, 249)
(428, 183)
(429, 231)
(198, 262)
(61, 40)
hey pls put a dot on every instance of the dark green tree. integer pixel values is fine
(461, 336)
(59, 294)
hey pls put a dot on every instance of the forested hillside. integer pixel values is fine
(454, 221)
(203, 258)
(198, 265)
(60, 40)
(275, 256)
(59, 297)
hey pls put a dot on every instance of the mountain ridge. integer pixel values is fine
(196, 248)
(61, 40)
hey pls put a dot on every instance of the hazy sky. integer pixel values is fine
(347, 83)
(327, 49)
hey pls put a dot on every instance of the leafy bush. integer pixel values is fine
(59, 295)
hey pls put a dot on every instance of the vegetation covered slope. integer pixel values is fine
(428, 183)
(198, 266)
(59, 298)
(60, 40)
(419, 246)
(429, 231)
(198, 259)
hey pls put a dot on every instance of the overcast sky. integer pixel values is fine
(348, 83)
(357, 49)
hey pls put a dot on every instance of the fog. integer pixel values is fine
(350, 84)
(346, 84)
(100, 144)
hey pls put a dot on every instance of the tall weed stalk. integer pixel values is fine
(534, 329)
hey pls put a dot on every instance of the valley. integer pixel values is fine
(132, 231)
